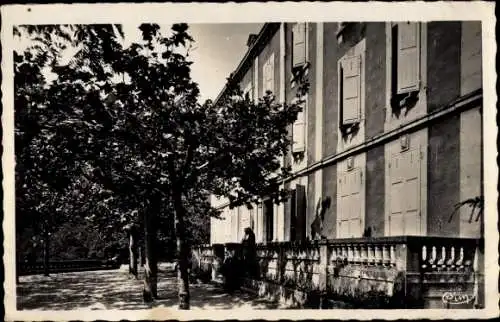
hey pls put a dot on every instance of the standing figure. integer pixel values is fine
(249, 252)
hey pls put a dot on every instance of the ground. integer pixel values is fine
(114, 289)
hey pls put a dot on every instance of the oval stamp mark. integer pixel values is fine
(457, 298)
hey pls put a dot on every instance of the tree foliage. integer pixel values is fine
(117, 135)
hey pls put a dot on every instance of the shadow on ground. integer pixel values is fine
(113, 289)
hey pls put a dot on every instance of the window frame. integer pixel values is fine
(268, 73)
(299, 65)
(358, 169)
(357, 120)
(400, 97)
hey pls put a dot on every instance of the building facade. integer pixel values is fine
(390, 137)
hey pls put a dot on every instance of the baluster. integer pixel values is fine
(350, 256)
(369, 254)
(357, 258)
(432, 260)
(424, 257)
(393, 255)
(385, 255)
(469, 261)
(364, 254)
(333, 254)
(378, 255)
(316, 254)
(451, 262)
(442, 259)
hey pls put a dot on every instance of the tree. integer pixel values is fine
(230, 148)
(144, 138)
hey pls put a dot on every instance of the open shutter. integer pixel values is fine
(341, 207)
(299, 44)
(349, 221)
(269, 74)
(355, 222)
(248, 91)
(299, 132)
(300, 212)
(408, 60)
(412, 193)
(351, 90)
(404, 217)
(396, 223)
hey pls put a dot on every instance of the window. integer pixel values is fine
(268, 219)
(298, 214)
(268, 74)
(405, 61)
(299, 45)
(350, 90)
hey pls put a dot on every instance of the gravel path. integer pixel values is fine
(113, 289)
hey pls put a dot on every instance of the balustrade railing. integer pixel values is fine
(385, 266)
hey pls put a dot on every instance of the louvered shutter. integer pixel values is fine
(341, 208)
(299, 132)
(349, 221)
(355, 222)
(412, 193)
(408, 60)
(404, 217)
(351, 90)
(299, 44)
(269, 74)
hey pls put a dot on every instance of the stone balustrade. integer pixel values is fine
(400, 272)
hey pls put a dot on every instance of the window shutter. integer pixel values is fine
(408, 59)
(351, 88)
(269, 74)
(349, 194)
(299, 132)
(299, 44)
(248, 91)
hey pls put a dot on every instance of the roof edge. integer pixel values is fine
(248, 55)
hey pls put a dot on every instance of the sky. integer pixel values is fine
(216, 53)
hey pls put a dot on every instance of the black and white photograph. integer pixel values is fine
(161, 161)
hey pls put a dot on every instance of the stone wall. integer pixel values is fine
(384, 272)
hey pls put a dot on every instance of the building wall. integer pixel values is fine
(311, 100)
(375, 179)
(447, 150)
(330, 112)
(444, 176)
(443, 60)
(330, 191)
(375, 74)
(470, 121)
(272, 47)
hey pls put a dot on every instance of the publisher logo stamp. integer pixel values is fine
(455, 298)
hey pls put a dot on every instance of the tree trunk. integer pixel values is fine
(132, 268)
(150, 267)
(46, 252)
(182, 253)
